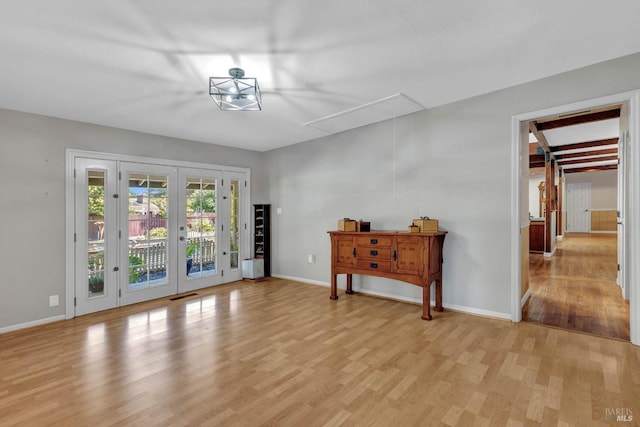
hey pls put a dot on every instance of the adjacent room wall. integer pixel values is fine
(604, 187)
(32, 200)
(452, 163)
(604, 198)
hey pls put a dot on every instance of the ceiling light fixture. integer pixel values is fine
(236, 93)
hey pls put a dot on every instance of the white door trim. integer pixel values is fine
(632, 261)
(72, 154)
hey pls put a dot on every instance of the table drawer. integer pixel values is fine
(374, 265)
(373, 252)
(373, 241)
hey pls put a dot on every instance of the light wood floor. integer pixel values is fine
(281, 353)
(576, 289)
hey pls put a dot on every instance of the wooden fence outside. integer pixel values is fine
(152, 257)
(139, 225)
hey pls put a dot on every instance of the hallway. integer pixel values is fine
(576, 289)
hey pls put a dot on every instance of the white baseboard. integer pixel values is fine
(454, 307)
(31, 324)
(550, 254)
(525, 297)
(299, 279)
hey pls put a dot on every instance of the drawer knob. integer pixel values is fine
(373, 265)
(374, 241)
(373, 253)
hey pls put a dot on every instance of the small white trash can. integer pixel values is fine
(252, 268)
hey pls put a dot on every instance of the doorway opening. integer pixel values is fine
(561, 235)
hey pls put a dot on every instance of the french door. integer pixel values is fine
(96, 235)
(145, 231)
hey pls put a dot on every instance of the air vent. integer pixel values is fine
(579, 113)
(372, 112)
(182, 296)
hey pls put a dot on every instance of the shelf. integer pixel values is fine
(262, 236)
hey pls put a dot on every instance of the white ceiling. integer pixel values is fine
(144, 65)
(593, 131)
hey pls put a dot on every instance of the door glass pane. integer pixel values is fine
(201, 227)
(95, 233)
(234, 223)
(147, 230)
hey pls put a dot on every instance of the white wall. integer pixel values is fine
(32, 199)
(452, 163)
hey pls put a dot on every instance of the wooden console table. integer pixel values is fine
(414, 258)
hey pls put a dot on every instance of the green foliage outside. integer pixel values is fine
(203, 225)
(134, 271)
(158, 232)
(96, 200)
(202, 201)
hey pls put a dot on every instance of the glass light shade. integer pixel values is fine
(236, 94)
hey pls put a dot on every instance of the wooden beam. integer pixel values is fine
(559, 223)
(550, 201)
(536, 158)
(590, 169)
(580, 145)
(587, 153)
(577, 120)
(533, 148)
(542, 140)
(564, 162)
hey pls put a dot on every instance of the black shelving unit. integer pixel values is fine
(262, 235)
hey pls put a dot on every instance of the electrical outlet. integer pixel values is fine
(278, 211)
(312, 259)
(54, 300)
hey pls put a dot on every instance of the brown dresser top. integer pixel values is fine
(386, 233)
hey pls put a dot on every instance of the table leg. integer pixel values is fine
(438, 306)
(349, 285)
(426, 302)
(334, 287)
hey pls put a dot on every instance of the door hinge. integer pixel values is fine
(119, 293)
(75, 301)
(119, 234)
(74, 174)
(245, 184)
(618, 213)
(221, 227)
(115, 196)
(245, 225)
(75, 237)
(222, 182)
(618, 267)
(116, 268)
(119, 176)
(222, 272)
